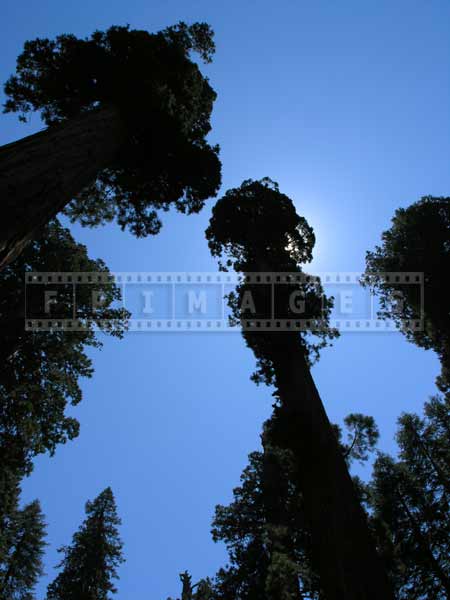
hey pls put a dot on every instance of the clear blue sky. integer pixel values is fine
(347, 105)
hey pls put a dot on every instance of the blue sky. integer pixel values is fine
(347, 106)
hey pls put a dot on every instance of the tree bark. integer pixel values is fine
(343, 551)
(41, 173)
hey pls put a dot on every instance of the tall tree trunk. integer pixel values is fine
(343, 551)
(41, 173)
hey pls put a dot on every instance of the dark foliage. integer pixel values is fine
(267, 557)
(22, 532)
(418, 241)
(90, 563)
(165, 104)
(256, 228)
(202, 590)
(40, 374)
(409, 498)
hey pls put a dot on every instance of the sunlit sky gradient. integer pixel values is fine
(346, 105)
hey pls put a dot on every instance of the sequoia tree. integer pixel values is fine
(418, 241)
(40, 370)
(257, 230)
(127, 113)
(270, 551)
(90, 563)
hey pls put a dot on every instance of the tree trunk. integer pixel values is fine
(343, 551)
(41, 173)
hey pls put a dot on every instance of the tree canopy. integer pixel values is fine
(165, 105)
(409, 500)
(40, 374)
(253, 228)
(418, 241)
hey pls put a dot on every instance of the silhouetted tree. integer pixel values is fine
(257, 229)
(407, 500)
(205, 590)
(410, 502)
(128, 113)
(270, 553)
(418, 241)
(199, 591)
(187, 591)
(90, 563)
(22, 533)
(40, 369)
